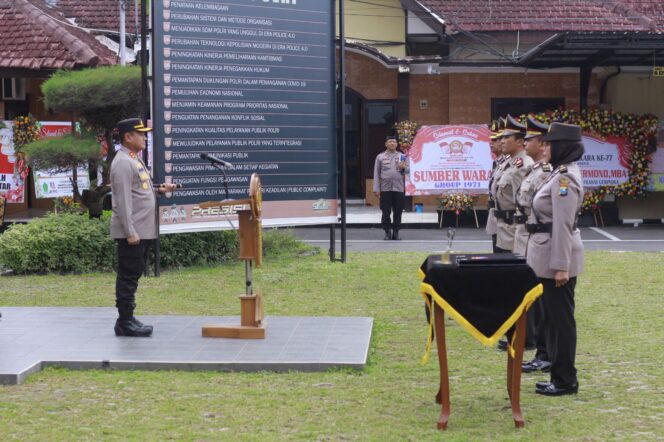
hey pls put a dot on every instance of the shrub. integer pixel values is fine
(198, 248)
(58, 243)
(278, 242)
(67, 243)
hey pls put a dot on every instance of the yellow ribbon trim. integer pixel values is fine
(427, 289)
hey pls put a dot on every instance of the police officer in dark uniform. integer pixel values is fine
(133, 223)
(555, 253)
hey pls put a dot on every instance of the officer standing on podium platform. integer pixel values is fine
(538, 150)
(133, 223)
(555, 253)
(512, 172)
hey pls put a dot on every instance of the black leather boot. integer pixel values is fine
(395, 235)
(127, 325)
(388, 235)
(128, 328)
(135, 320)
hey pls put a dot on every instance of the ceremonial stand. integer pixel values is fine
(248, 210)
(466, 287)
(442, 213)
(513, 370)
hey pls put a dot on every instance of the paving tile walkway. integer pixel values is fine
(32, 338)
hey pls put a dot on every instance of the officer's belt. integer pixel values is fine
(520, 219)
(539, 228)
(491, 204)
(506, 215)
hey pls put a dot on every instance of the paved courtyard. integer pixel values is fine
(32, 338)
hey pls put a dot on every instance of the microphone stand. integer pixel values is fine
(223, 172)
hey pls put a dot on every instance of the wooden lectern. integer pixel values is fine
(251, 250)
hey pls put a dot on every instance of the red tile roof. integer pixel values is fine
(35, 37)
(550, 15)
(100, 14)
(653, 9)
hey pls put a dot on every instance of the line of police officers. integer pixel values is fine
(535, 193)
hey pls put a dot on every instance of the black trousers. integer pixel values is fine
(558, 316)
(131, 265)
(536, 331)
(391, 203)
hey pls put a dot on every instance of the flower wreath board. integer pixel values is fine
(449, 159)
(616, 159)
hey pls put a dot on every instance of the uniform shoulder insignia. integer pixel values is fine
(546, 167)
(536, 165)
(563, 184)
(518, 162)
(562, 169)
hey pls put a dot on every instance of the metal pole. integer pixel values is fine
(123, 43)
(144, 60)
(145, 112)
(332, 251)
(342, 87)
(248, 278)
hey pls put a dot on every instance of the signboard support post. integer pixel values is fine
(342, 123)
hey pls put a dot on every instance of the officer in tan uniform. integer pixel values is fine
(133, 223)
(555, 253)
(388, 185)
(538, 150)
(497, 152)
(508, 180)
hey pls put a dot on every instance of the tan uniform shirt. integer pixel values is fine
(513, 172)
(557, 202)
(133, 198)
(387, 174)
(491, 223)
(535, 177)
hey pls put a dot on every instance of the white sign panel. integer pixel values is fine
(53, 184)
(445, 159)
(605, 162)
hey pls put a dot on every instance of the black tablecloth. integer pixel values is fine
(485, 294)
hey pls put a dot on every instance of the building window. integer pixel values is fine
(500, 107)
(13, 89)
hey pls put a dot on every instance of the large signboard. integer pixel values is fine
(445, 159)
(605, 162)
(252, 83)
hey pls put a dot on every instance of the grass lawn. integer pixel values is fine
(620, 318)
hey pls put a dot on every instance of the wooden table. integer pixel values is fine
(448, 277)
(513, 370)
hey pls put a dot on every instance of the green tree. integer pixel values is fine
(98, 98)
